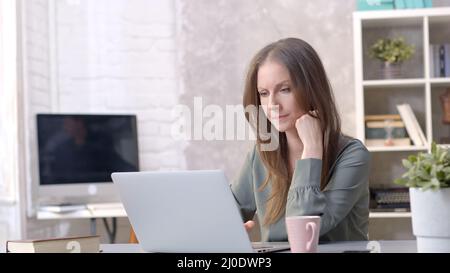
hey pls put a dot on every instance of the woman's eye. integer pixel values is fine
(285, 90)
(263, 93)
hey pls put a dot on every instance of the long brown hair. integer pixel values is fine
(312, 92)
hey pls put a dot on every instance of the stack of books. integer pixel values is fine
(393, 4)
(385, 130)
(394, 130)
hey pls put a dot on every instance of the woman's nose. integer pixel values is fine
(273, 105)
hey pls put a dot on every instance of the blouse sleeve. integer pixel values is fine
(347, 184)
(243, 189)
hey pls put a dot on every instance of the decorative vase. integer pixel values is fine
(391, 70)
(431, 219)
(445, 100)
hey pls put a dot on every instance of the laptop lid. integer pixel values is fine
(183, 211)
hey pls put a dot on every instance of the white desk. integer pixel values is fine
(336, 247)
(408, 246)
(92, 212)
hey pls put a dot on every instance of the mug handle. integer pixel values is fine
(312, 226)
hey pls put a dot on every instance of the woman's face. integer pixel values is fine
(276, 93)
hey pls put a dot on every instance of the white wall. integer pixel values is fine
(10, 202)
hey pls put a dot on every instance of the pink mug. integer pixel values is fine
(303, 233)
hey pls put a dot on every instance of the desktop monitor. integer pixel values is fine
(77, 154)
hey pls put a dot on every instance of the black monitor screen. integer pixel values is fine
(85, 148)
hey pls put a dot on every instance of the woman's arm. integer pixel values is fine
(347, 184)
(243, 188)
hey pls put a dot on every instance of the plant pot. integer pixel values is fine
(431, 219)
(391, 70)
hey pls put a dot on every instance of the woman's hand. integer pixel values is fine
(310, 133)
(249, 225)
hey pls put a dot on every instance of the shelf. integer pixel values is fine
(394, 83)
(376, 95)
(390, 215)
(440, 81)
(397, 149)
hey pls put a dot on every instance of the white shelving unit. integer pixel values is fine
(390, 214)
(375, 95)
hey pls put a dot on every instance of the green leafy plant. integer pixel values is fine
(391, 50)
(427, 170)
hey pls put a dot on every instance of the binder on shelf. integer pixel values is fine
(411, 124)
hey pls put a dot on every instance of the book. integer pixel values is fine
(436, 61)
(431, 54)
(392, 127)
(441, 60)
(394, 117)
(382, 142)
(85, 244)
(396, 132)
(375, 4)
(400, 4)
(408, 118)
(416, 124)
(428, 3)
(383, 124)
(447, 60)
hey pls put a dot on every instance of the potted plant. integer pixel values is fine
(428, 179)
(392, 53)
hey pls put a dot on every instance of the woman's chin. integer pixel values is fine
(282, 128)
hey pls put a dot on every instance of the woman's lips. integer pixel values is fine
(281, 117)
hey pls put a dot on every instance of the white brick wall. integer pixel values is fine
(119, 56)
(37, 93)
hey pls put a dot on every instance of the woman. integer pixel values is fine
(314, 170)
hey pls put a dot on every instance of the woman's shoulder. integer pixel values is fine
(352, 148)
(352, 154)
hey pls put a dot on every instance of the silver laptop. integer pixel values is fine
(185, 211)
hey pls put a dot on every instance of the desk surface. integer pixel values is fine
(106, 210)
(407, 246)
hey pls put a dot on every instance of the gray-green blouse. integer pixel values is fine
(343, 204)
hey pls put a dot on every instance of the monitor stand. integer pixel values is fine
(62, 207)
